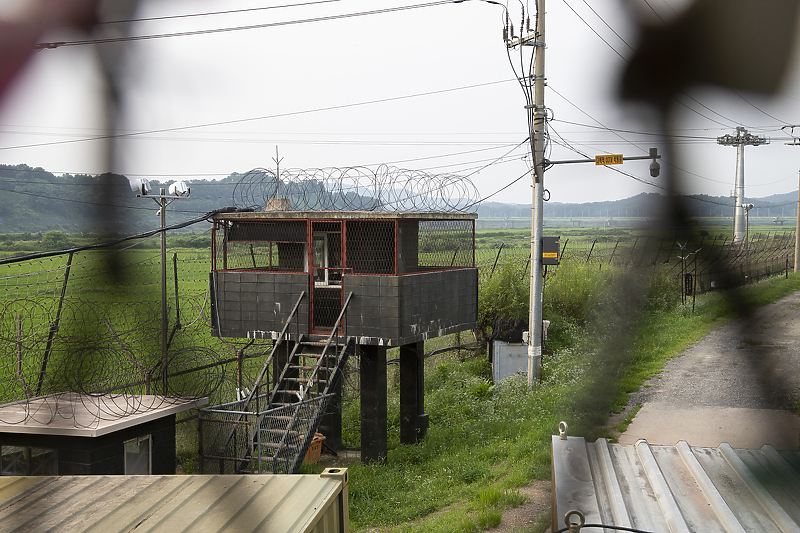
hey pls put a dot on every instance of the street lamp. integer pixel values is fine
(177, 191)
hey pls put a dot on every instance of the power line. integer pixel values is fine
(130, 38)
(214, 13)
(626, 60)
(656, 12)
(635, 132)
(608, 25)
(737, 93)
(253, 119)
(594, 31)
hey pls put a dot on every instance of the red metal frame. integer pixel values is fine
(311, 285)
(396, 236)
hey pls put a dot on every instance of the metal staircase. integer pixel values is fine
(298, 402)
(247, 439)
(299, 399)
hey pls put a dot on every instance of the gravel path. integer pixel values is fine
(740, 384)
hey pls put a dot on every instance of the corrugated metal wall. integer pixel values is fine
(676, 488)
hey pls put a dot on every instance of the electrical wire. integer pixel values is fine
(216, 13)
(253, 119)
(656, 12)
(132, 38)
(737, 93)
(735, 123)
(595, 32)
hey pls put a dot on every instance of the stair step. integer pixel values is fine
(278, 460)
(318, 343)
(278, 446)
(304, 380)
(292, 433)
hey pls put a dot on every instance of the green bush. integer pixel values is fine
(504, 295)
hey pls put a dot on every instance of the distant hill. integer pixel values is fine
(35, 200)
(644, 204)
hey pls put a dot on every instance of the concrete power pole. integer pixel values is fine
(533, 86)
(740, 140)
(537, 212)
(796, 142)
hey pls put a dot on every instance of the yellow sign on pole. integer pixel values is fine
(612, 159)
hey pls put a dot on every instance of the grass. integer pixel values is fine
(485, 442)
(622, 426)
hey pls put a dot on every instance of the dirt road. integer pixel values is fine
(738, 385)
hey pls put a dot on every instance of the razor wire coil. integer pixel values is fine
(386, 188)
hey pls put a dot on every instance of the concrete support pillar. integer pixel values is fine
(413, 421)
(373, 404)
(331, 423)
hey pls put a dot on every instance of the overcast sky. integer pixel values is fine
(425, 89)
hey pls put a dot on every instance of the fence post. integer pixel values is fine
(496, 259)
(590, 250)
(644, 250)
(54, 327)
(611, 261)
(630, 257)
(200, 441)
(19, 357)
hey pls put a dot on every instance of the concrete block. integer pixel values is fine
(248, 307)
(249, 296)
(389, 311)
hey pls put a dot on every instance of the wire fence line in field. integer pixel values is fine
(713, 262)
(82, 322)
(90, 321)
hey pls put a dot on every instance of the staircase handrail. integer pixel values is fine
(334, 331)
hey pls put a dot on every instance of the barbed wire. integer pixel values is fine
(385, 188)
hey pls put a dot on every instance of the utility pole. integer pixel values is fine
(740, 140)
(796, 142)
(537, 281)
(177, 191)
(532, 84)
(797, 231)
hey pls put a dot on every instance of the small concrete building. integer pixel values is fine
(404, 276)
(79, 434)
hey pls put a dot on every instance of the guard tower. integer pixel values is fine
(374, 279)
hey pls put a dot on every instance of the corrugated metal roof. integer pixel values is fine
(676, 488)
(108, 504)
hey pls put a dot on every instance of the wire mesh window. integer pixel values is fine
(262, 245)
(370, 246)
(444, 244)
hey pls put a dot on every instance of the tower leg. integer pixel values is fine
(373, 404)
(413, 422)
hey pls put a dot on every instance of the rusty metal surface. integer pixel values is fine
(108, 504)
(676, 488)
